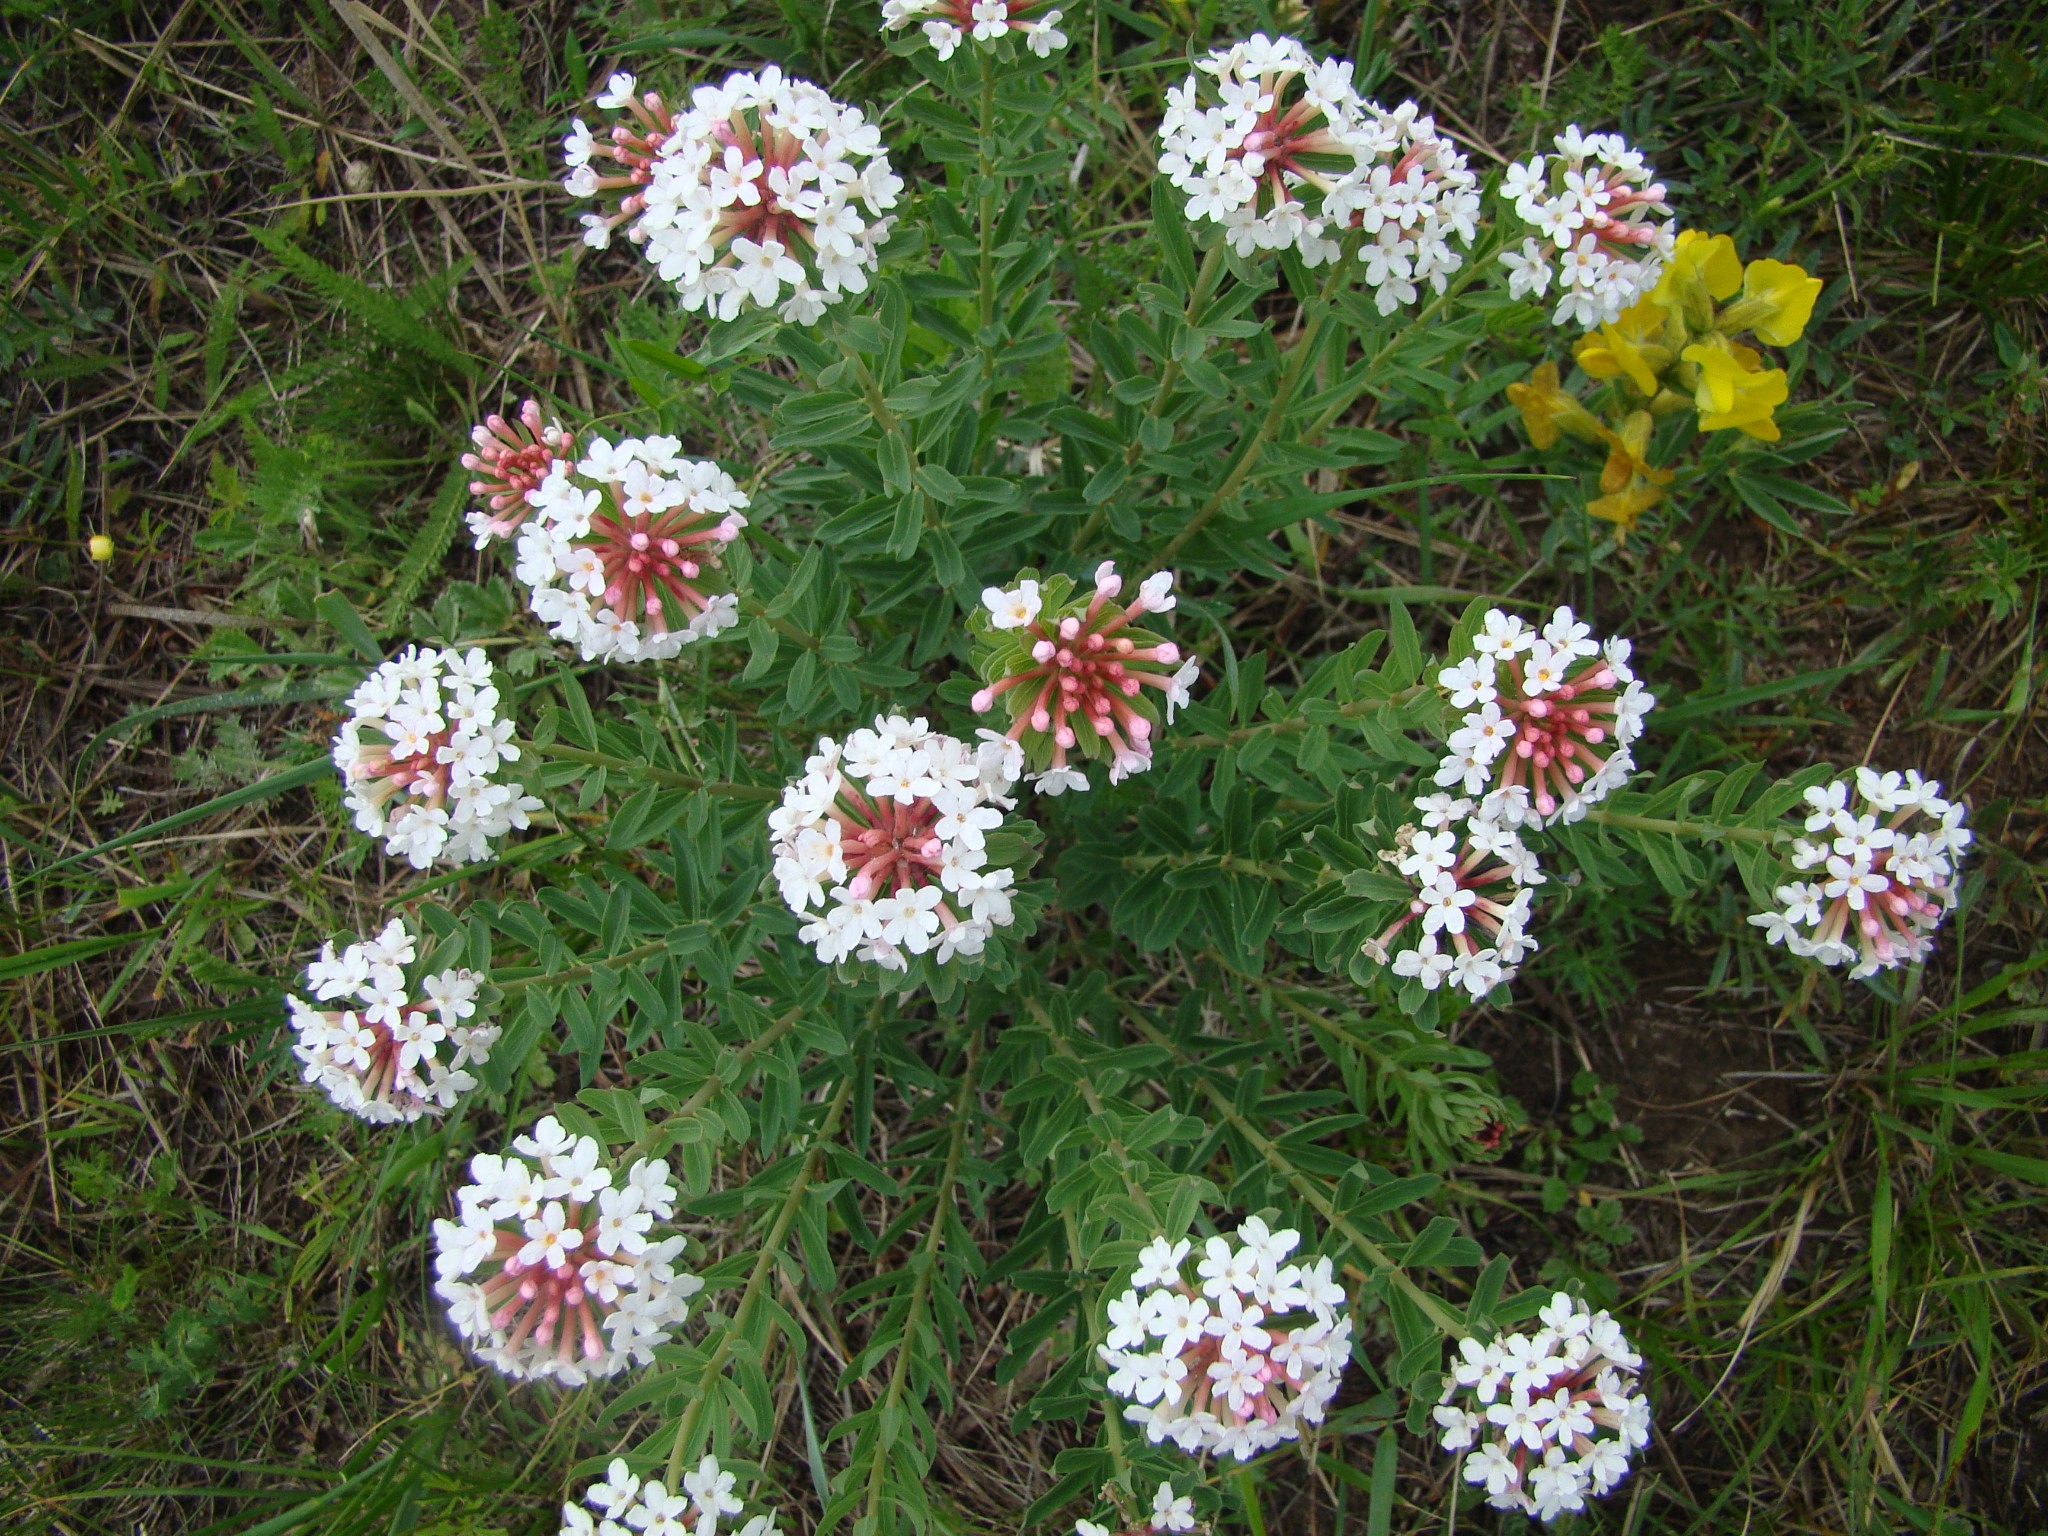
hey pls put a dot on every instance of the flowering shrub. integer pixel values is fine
(762, 927)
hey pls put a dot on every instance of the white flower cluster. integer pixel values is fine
(551, 1271)
(627, 1506)
(949, 23)
(387, 1056)
(1884, 889)
(1554, 1414)
(885, 839)
(1168, 1514)
(1601, 219)
(1411, 193)
(419, 752)
(622, 555)
(1287, 126)
(763, 192)
(1236, 1361)
(1549, 717)
(1472, 932)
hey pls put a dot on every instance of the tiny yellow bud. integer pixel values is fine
(100, 547)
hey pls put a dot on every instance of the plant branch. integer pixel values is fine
(647, 770)
(926, 1264)
(1446, 1322)
(771, 1249)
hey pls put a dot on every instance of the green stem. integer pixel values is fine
(926, 1264)
(1303, 354)
(1228, 862)
(754, 608)
(1293, 723)
(645, 951)
(1169, 375)
(1708, 831)
(647, 770)
(1478, 262)
(771, 1248)
(1447, 1322)
(1112, 1422)
(987, 169)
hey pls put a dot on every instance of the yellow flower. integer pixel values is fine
(1703, 268)
(1548, 410)
(1623, 508)
(100, 547)
(1632, 485)
(1734, 388)
(1632, 345)
(1777, 301)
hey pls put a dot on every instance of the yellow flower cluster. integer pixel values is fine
(1676, 350)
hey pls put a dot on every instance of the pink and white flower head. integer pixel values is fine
(947, 24)
(1880, 875)
(1236, 1359)
(552, 1268)
(1467, 924)
(511, 460)
(618, 161)
(1257, 139)
(1548, 718)
(1070, 667)
(1411, 194)
(624, 556)
(391, 1049)
(420, 754)
(1603, 228)
(764, 193)
(626, 1505)
(1544, 1420)
(891, 845)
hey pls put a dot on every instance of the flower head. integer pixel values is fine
(763, 192)
(1279, 148)
(1544, 1419)
(535, 1278)
(511, 460)
(1603, 228)
(1557, 739)
(1630, 485)
(1549, 409)
(630, 1507)
(420, 754)
(1071, 669)
(623, 558)
(392, 1050)
(891, 845)
(1734, 387)
(1235, 1360)
(946, 24)
(1467, 923)
(1880, 876)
